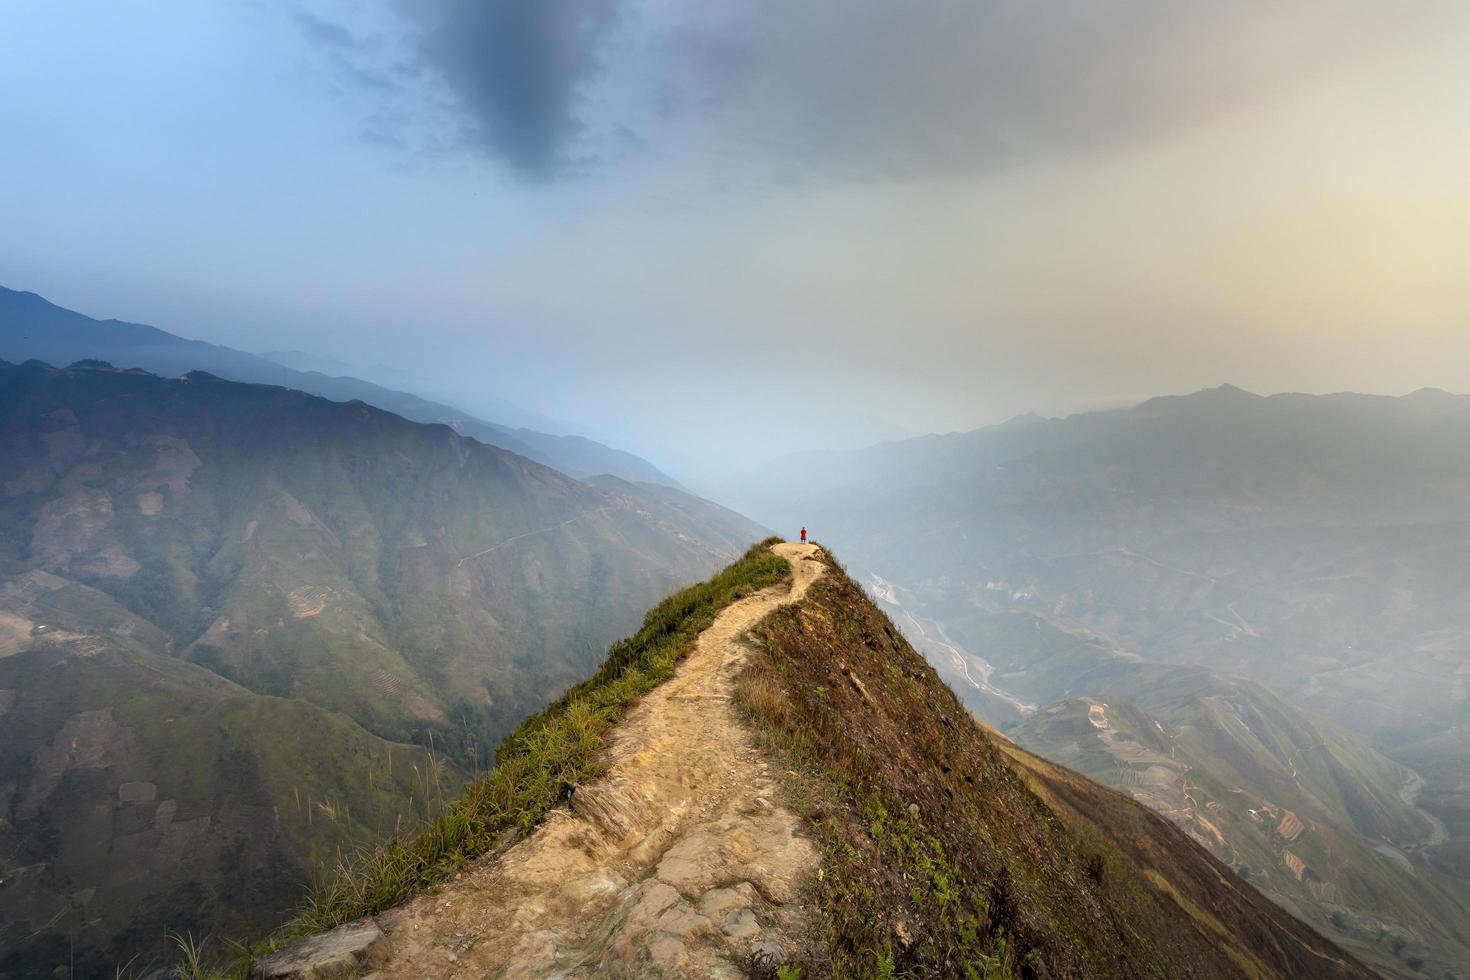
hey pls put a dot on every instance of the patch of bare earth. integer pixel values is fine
(1290, 827)
(1155, 780)
(174, 463)
(678, 862)
(308, 601)
(67, 526)
(15, 633)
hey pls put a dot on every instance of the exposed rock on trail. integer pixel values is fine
(343, 952)
(676, 863)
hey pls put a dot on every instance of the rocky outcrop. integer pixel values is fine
(346, 951)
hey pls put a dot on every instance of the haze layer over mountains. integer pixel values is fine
(1244, 611)
(1247, 611)
(33, 329)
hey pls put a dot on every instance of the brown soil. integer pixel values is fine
(1291, 826)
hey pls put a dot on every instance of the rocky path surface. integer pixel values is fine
(676, 863)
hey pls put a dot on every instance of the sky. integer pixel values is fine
(722, 231)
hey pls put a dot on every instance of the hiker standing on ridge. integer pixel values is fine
(803, 535)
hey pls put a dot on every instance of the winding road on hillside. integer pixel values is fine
(676, 863)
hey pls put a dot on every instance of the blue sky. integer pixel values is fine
(722, 230)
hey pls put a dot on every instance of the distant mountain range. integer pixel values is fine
(1147, 562)
(507, 415)
(236, 620)
(32, 328)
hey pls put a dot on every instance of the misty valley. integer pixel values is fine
(1246, 612)
(249, 627)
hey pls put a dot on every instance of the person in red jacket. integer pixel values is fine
(803, 535)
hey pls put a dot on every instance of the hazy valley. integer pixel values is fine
(1237, 610)
(1152, 563)
(235, 622)
(217, 592)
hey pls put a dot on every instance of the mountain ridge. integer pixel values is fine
(904, 838)
(33, 328)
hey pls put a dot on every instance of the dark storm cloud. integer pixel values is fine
(519, 69)
(836, 89)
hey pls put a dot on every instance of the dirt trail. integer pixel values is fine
(676, 863)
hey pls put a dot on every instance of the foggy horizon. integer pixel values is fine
(706, 240)
(843, 431)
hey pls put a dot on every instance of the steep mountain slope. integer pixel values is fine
(1316, 818)
(136, 786)
(1275, 806)
(718, 526)
(33, 329)
(194, 551)
(1315, 545)
(948, 851)
(844, 815)
(1250, 736)
(405, 575)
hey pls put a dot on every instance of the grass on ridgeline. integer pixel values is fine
(536, 767)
